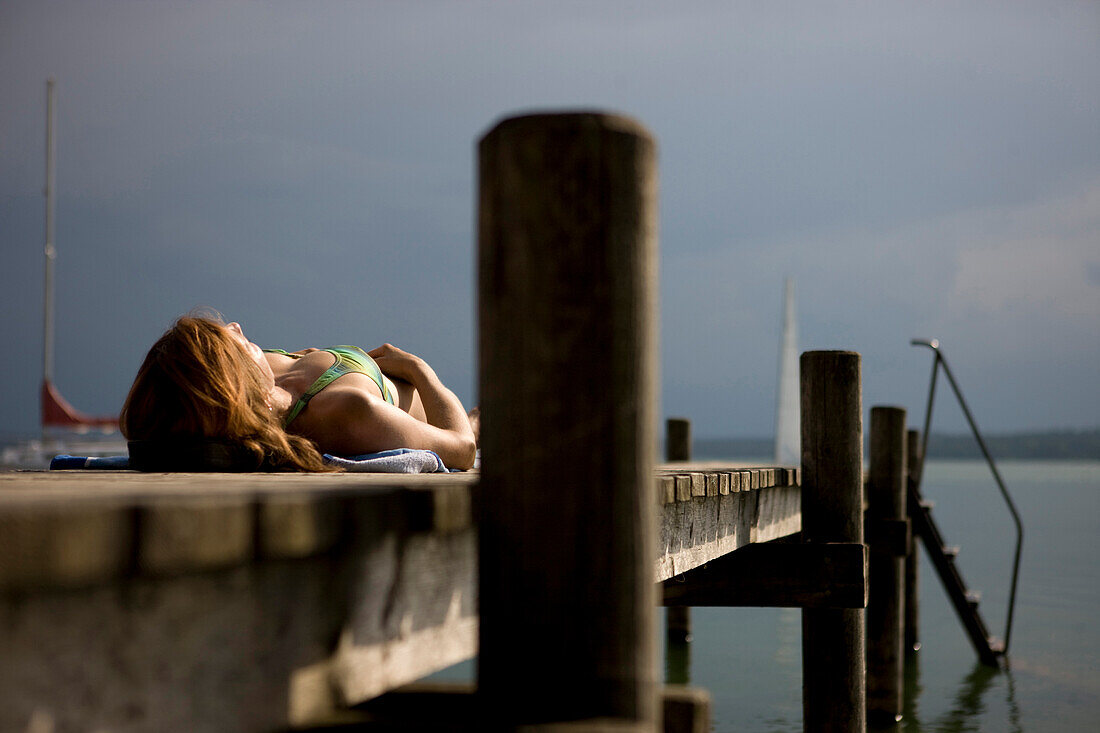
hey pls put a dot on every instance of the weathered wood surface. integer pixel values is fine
(273, 597)
(76, 528)
(226, 601)
(73, 528)
(710, 509)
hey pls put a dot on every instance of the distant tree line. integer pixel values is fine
(1051, 445)
(708, 448)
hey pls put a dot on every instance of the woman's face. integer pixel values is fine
(253, 351)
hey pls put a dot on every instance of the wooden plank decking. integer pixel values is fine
(193, 599)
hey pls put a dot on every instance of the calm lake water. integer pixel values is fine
(750, 660)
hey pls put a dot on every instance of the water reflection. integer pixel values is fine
(911, 691)
(970, 703)
(1013, 708)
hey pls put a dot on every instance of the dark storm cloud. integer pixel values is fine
(308, 168)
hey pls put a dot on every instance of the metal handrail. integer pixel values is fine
(937, 363)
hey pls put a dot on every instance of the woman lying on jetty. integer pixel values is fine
(204, 379)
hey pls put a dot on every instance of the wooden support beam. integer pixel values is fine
(777, 574)
(567, 269)
(890, 536)
(833, 640)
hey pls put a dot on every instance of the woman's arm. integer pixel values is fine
(365, 423)
(441, 407)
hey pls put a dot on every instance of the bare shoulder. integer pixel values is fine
(338, 405)
(341, 418)
(344, 398)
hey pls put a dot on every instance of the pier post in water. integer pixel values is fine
(677, 618)
(912, 559)
(833, 640)
(567, 279)
(677, 439)
(912, 642)
(889, 544)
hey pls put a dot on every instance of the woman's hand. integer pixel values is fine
(397, 363)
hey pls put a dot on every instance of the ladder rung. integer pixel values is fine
(927, 505)
(997, 646)
(951, 552)
(973, 598)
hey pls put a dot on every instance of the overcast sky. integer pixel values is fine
(307, 168)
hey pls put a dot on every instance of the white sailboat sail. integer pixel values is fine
(788, 442)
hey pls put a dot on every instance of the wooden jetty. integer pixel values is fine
(288, 601)
(215, 601)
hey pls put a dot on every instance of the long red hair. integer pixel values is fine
(197, 381)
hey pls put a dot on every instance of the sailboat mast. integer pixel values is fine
(47, 328)
(56, 412)
(50, 252)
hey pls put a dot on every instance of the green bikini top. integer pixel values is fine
(349, 360)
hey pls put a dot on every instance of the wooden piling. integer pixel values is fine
(886, 604)
(567, 308)
(912, 559)
(678, 629)
(677, 618)
(677, 439)
(686, 710)
(833, 640)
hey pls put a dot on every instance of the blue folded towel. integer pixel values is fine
(400, 460)
(110, 463)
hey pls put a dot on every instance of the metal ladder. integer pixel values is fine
(943, 557)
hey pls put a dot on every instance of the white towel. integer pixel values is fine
(400, 460)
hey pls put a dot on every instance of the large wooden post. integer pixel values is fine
(886, 605)
(567, 305)
(833, 641)
(912, 559)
